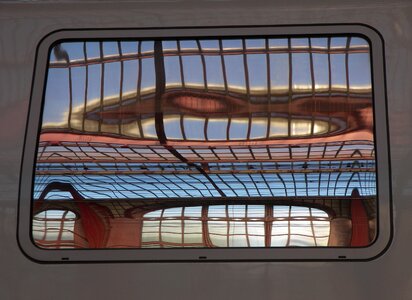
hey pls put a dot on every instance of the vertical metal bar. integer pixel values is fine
(139, 86)
(101, 87)
(290, 93)
(268, 223)
(182, 224)
(229, 122)
(246, 226)
(247, 83)
(294, 181)
(86, 85)
(222, 59)
(330, 86)
(347, 79)
(319, 182)
(205, 128)
(202, 57)
(182, 73)
(289, 231)
(205, 229)
(269, 87)
(160, 229)
(246, 70)
(70, 99)
(182, 126)
(306, 183)
(312, 77)
(160, 89)
(309, 149)
(120, 118)
(227, 225)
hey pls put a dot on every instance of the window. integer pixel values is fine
(216, 147)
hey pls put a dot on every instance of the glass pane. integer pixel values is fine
(238, 128)
(278, 127)
(214, 73)
(257, 67)
(224, 142)
(193, 71)
(172, 71)
(279, 72)
(301, 73)
(194, 128)
(173, 127)
(217, 129)
(235, 72)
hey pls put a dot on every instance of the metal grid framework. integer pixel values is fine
(110, 152)
(335, 206)
(225, 185)
(56, 229)
(244, 73)
(235, 226)
(216, 168)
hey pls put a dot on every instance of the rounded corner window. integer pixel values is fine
(268, 145)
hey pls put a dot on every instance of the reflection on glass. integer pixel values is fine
(130, 129)
(300, 127)
(172, 67)
(56, 229)
(257, 76)
(149, 129)
(279, 127)
(173, 127)
(129, 84)
(238, 128)
(279, 68)
(253, 142)
(237, 226)
(192, 69)
(338, 72)
(129, 48)
(55, 114)
(195, 128)
(235, 73)
(301, 72)
(258, 128)
(215, 129)
(299, 43)
(214, 73)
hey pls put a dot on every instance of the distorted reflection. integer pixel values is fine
(235, 226)
(56, 229)
(254, 142)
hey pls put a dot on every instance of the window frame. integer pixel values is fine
(381, 140)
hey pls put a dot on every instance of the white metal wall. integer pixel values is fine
(388, 277)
